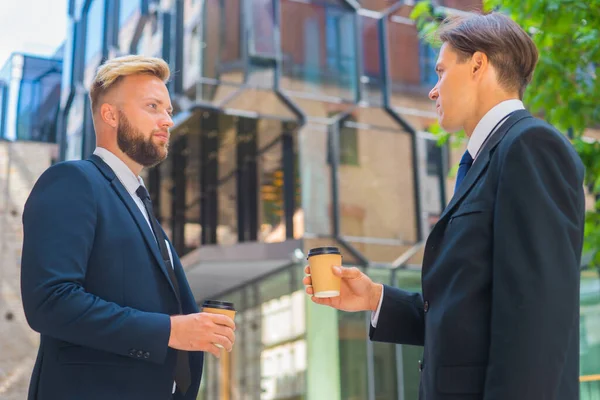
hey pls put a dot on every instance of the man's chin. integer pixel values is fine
(448, 127)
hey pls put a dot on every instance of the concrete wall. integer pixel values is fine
(21, 163)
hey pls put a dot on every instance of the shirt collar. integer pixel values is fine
(125, 175)
(489, 121)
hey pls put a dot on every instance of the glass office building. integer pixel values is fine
(299, 123)
(29, 94)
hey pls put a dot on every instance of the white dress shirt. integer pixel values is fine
(131, 183)
(480, 134)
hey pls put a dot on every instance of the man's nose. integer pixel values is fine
(434, 94)
(167, 121)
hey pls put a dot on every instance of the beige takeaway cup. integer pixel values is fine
(219, 307)
(324, 282)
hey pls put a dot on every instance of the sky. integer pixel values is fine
(31, 26)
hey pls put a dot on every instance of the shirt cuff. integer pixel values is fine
(375, 315)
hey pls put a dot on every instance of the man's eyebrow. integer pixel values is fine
(170, 108)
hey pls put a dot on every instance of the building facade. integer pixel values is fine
(29, 93)
(299, 123)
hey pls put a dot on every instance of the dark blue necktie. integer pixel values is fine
(463, 167)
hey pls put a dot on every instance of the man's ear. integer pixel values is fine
(109, 114)
(479, 62)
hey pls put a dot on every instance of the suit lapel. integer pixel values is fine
(135, 212)
(482, 161)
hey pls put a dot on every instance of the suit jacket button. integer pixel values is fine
(426, 306)
(146, 355)
(140, 353)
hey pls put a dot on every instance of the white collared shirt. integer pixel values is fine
(131, 183)
(485, 126)
(480, 134)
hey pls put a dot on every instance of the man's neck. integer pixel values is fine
(484, 107)
(132, 165)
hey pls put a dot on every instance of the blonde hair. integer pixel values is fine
(114, 70)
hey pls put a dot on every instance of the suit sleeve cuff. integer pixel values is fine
(375, 315)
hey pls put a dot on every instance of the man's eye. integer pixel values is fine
(153, 105)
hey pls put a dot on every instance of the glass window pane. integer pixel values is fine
(260, 102)
(192, 231)
(129, 16)
(74, 128)
(590, 334)
(261, 21)
(321, 111)
(272, 219)
(409, 280)
(372, 79)
(377, 5)
(67, 64)
(318, 48)
(464, 5)
(377, 201)
(192, 48)
(127, 8)
(411, 64)
(39, 99)
(3, 102)
(222, 41)
(315, 176)
(353, 336)
(150, 43)
(227, 229)
(94, 30)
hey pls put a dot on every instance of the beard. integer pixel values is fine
(143, 151)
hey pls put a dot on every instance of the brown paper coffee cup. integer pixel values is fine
(324, 282)
(219, 307)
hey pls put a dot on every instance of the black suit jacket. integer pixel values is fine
(499, 311)
(95, 286)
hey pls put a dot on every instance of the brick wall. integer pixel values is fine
(21, 163)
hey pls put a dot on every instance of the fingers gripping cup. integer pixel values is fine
(324, 282)
(219, 307)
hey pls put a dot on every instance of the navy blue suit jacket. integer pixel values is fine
(499, 313)
(95, 287)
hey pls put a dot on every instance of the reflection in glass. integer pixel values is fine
(377, 5)
(372, 79)
(269, 359)
(411, 64)
(318, 50)
(74, 128)
(410, 280)
(270, 169)
(353, 338)
(3, 103)
(321, 111)
(150, 42)
(222, 46)
(384, 354)
(94, 30)
(315, 175)
(377, 201)
(39, 99)
(589, 333)
(261, 16)
(260, 102)
(227, 220)
(127, 8)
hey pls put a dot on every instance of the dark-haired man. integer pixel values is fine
(498, 315)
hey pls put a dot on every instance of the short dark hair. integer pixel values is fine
(508, 47)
